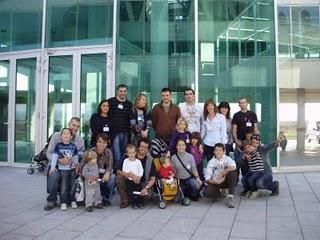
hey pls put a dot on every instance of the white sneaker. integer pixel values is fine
(63, 206)
(254, 195)
(74, 205)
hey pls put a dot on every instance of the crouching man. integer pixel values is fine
(221, 176)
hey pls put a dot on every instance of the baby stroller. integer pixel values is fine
(39, 161)
(164, 191)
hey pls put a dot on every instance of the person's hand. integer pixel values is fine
(144, 192)
(144, 133)
(136, 179)
(246, 156)
(238, 143)
(222, 174)
(106, 177)
(199, 181)
(52, 170)
(220, 180)
(65, 161)
(201, 149)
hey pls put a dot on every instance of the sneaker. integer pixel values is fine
(140, 205)
(248, 194)
(106, 203)
(230, 202)
(275, 191)
(124, 205)
(243, 193)
(99, 206)
(63, 206)
(89, 209)
(224, 192)
(134, 206)
(254, 195)
(49, 206)
(74, 205)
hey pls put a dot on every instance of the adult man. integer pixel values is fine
(54, 177)
(191, 111)
(164, 116)
(148, 178)
(220, 174)
(121, 114)
(266, 181)
(244, 122)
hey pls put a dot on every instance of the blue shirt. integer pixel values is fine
(65, 150)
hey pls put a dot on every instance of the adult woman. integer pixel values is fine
(105, 161)
(186, 170)
(213, 128)
(100, 122)
(224, 109)
(141, 122)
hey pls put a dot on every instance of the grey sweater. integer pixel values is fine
(188, 161)
(90, 170)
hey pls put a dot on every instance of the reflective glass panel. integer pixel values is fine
(93, 89)
(25, 109)
(156, 47)
(59, 92)
(4, 100)
(20, 25)
(79, 22)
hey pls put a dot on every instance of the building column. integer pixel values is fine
(301, 126)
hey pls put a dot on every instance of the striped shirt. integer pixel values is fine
(256, 162)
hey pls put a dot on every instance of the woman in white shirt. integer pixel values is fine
(213, 128)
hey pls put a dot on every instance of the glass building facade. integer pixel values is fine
(60, 58)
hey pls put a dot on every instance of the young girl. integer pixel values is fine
(180, 133)
(90, 172)
(197, 152)
(133, 167)
(167, 173)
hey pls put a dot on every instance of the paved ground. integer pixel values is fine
(295, 214)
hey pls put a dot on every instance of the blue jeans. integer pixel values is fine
(119, 144)
(106, 188)
(265, 182)
(68, 186)
(53, 186)
(240, 163)
(249, 180)
(189, 187)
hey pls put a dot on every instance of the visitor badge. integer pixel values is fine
(187, 140)
(249, 124)
(106, 129)
(120, 106)
(102, 170)
(188, 166)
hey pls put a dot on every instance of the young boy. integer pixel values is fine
(256, 170)
(133, 167)
(220, 174)
(66, 149)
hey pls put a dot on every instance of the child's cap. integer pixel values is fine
(255, 136)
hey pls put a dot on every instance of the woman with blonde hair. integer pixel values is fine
(141, 122)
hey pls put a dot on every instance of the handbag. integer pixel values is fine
(197, 183)
(79, 195)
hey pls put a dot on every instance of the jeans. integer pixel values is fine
(68, 186)
(106, 188)
(240, 163)
(189, 187)
(53, 186)
(119, 144)
(208, 152)
(265, 182)
(249, 180)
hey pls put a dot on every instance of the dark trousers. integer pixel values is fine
(249, 180)
(200, 170)
(208, 152)
(68, 186)
(213, 190)
(189, 187)
(265, 182)
(131, 187)
(119, 144)
(240, 163)
(53, 186)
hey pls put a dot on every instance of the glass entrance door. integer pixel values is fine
(77, 81)
(4, 104)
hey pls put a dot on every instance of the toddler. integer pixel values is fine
(167, 173)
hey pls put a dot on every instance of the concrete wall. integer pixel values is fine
(297, 2)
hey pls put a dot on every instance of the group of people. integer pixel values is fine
(186, 136)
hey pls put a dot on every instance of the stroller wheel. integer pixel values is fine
(162, 204)
(186, 201)
(30, 171)
(40, 169)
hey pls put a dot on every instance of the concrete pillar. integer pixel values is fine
(301, 125)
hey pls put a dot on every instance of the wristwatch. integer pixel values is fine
(147, 187)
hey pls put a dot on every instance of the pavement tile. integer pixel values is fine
(141, 230)
(283, 224)
(165, 235)
(193, 212)
(122, 218)
(251, 215)
(157, 215)
(100, 232)
(26, 217)
(217, 220)
(311, 232)
(57, 234)
(248, 230)
(8, 227)
(309, 218)
(281, 211)
(13, 236)
(181, 225)
(273, 235)
(209, 233)
(79, 223)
